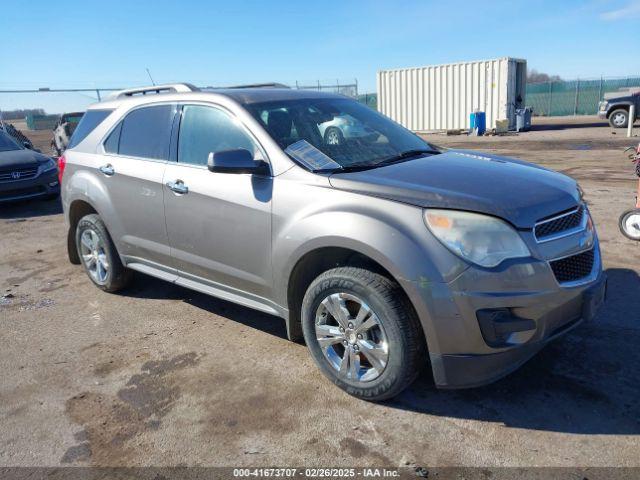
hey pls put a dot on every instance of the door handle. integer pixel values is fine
(178, 186)
(107, 169)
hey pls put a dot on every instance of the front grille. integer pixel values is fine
(17, 174)
(573, 268)
(21, 192)
(560, 223)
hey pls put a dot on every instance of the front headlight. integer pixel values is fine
(479, 239)
(48, 166)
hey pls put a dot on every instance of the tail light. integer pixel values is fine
(62, 162)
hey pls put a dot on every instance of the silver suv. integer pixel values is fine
(383, 252)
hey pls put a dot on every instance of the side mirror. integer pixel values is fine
(27, 145)
(236, 161)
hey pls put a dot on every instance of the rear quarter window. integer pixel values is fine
(89, 122)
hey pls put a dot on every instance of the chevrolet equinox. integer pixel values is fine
(383, 252)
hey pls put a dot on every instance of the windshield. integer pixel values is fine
(349, 133)
(7, 143)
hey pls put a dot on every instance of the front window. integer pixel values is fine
(206, 130)
(349, 133)
(7, 143)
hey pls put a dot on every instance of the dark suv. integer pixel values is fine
(616, 105)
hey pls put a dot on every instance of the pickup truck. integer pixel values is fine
(615, 106)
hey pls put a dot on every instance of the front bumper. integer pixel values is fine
(460, 352)
(42, 186)
(464, 371)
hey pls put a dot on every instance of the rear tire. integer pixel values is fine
(627, 223)
(619, 118)
(374, 355)
(99, 256)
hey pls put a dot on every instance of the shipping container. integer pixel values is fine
(441, 97)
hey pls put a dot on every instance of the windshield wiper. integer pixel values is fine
(356, 167)
(401, 157)
(406, 155)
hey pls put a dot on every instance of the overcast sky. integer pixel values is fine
(89, 43)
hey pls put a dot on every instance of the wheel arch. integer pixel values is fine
(77, 209)
(618, 106)
(317, 261)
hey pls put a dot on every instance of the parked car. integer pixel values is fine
(615, 107)
(63, 130)
(385, 256)
(25, 173)
(344, 128)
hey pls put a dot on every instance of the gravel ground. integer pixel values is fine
(160, 375)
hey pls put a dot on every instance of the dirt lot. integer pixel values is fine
(160, 375)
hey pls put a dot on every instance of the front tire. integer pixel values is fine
(619, 118)
(99, 256)
(629, 224)
(362, 332)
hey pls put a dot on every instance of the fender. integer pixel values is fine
(394, 236)
(622, 103)
(85, 186)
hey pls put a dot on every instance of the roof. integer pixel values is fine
(241, 95)
(257, 95)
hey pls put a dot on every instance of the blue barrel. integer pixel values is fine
(478, 121)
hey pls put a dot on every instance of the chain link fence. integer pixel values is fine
(16, 104)
(573, 97)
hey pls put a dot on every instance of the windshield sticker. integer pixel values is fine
(310, 156)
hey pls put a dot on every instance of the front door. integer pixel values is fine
(219, 224)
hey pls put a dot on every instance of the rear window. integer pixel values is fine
(89, 122)
(146, 132)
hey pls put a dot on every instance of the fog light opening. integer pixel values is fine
(498, 326)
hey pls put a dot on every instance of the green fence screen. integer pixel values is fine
(563, 97)
(573, 97)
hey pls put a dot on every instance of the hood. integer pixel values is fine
(20, 158)
(519, 192)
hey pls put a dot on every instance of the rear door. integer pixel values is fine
(220, 228)
(135, 156)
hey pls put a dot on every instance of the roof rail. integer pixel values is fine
(154, 89)
(255, 85)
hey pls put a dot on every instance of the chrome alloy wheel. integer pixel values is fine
(94, 256)
(619, 119)
(351, 337)
(631, 225)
